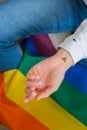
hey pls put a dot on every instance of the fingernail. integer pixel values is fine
(38, 98)
(33, 94)
(39, 83)
(26, 100)
(35, 77)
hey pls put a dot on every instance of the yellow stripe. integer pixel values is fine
(46, 110)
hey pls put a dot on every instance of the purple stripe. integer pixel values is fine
(44, 45)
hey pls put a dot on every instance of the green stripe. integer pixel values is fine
(72, 100)
(27, 62)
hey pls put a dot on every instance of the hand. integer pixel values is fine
(45, 77)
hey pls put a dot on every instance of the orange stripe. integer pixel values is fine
(11, 115)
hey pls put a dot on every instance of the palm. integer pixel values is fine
(49, 79)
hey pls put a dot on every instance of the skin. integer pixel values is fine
(44, 78)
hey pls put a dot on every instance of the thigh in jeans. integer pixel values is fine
(19, 18)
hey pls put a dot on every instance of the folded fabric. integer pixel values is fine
(65, 109)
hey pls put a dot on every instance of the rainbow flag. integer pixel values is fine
(66, 109)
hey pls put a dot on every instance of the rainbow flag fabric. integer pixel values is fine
(66, 109)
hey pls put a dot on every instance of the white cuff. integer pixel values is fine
(76, 44)
(71, 45)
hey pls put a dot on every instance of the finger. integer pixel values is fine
(33, 73)
(33, 85)
(30, 93)
(45, 92)
(32, 77)
(30, 83)
(28, 99)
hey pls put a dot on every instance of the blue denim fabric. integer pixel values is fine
(20, 18)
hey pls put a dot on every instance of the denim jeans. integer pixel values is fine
(20, 18)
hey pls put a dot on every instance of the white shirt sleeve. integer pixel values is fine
(85, 1)
(76, 44)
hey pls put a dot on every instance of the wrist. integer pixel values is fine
(64, 58)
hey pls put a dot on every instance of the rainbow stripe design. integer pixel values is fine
(64, 59)
(65, 109)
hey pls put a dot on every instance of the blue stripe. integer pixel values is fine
(77, 76)
(31, 47)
